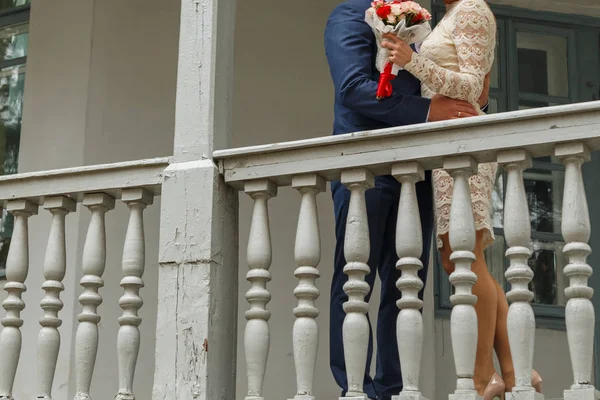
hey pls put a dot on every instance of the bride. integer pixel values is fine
(453, 61)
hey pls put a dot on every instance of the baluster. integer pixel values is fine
(463, 320)
(134, 254)
(257, 336)
(307, 255)
(579, 312)
(409, 247)
(55, 265)
(94, 262)
(357, 246)
(517, 231)
(17, 267)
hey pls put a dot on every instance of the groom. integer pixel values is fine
(351, 49)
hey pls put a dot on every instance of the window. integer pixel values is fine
(14, 35)
(538, 63)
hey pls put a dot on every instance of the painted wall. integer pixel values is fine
(101, 89)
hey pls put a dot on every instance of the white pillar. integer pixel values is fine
(133, 265)
(462, 235)
(55, 266)
(409, 247)
(579, 311)
(355, 330)
(17, 269)
(307, 254)
(93, 266)
(517, 230)
(198, 252)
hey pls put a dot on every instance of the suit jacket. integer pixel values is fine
(351, 49)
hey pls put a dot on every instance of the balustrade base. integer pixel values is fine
(254, 398)
(524, 395)
(409, 395)
(466, 395)
(363, 397)
(584, 393)
(303, 397)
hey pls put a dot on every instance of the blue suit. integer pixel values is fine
(351, 49)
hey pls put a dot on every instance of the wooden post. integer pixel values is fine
(196, 331)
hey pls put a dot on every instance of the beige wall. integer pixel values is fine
(101, 89)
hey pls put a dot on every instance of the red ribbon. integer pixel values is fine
(384, 89)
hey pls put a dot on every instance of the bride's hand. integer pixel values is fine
(400, 51)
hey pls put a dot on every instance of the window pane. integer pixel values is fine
(8, 4)
(547, 263)
(528, 104)
(544, 197)
(542, 62)
(14, 41)
(495, 77)
(498, 201)
(494, 257)
(493, 107)
(12, 82)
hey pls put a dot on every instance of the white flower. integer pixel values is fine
(396, 9)
(391, 18)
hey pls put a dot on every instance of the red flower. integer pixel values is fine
(384, 11)
(417, 18)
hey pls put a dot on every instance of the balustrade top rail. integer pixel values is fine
(536, 130)
(74, 182)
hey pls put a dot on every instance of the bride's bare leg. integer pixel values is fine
(501, 341)
(486, 309)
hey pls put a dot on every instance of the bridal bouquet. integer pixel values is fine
(403, 18)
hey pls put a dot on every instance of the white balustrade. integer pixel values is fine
(579, 311)
(94, 262)
(55, 265)
(17, 268)
(257, 336)
(355, 330)
(409, 247)
(462, 235)
(134, 255)
(307, 255)
(517, 231)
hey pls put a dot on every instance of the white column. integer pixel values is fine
(355, 330)
(409, 247)
(94, 262)
(307, 255)
(257, 336)
(55, 265)
(517, 231)
(579, 312)
(463, 320)
(134, 259)
(198, 230)
(17, 268)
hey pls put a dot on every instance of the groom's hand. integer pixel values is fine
(443, 108)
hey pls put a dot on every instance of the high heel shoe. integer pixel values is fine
(495, 389)
(536, 381)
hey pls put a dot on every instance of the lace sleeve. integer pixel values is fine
(474, 36)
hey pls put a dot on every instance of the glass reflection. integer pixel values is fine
(8, 4)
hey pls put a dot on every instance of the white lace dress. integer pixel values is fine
(453, 61)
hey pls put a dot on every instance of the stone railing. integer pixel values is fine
(512, 140)
(59, 192)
